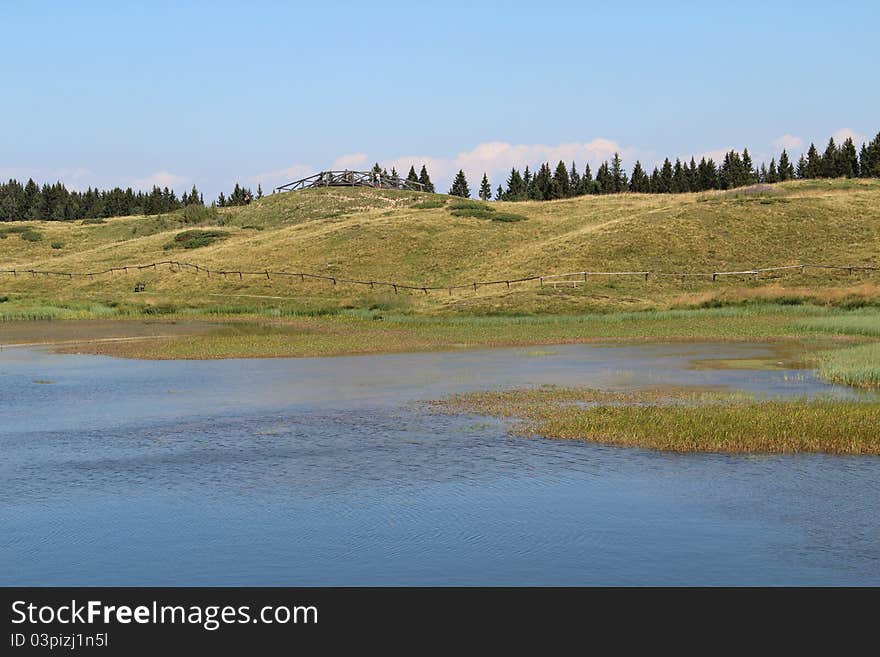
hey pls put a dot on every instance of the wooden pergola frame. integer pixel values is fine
(348, 178)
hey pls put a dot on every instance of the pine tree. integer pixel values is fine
(803, 169)
(460, 186)
(561, 187)
(574, 180)
(772, 175)
(425, 180)
(395, 177)
(259, 191)
(828, 167)
(814, 162)
(499, 193)
(411, 177)
(848, 159)
(679, 178)
(639, 181)
(485, 188)
(864, 162)
(748, 173)
(665, 178)
(618, 175)
(786, 172)
(516, 188)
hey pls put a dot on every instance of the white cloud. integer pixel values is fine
(497, 158)
(788, 142)
(159, 179)
(354, 161)
(847, 133)
(283, 176)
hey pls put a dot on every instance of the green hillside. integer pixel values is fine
(419, 240)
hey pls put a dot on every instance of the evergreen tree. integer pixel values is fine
(499, 193)
(772, 174)
(561, 187)
(664, 181)
(395, 177)
(574, 180)
(485, 188)
(828, 167)
(516, 188)
(748, 175)
(460, 186)
(803, 169)
(848, 159)
(679, 178)
(639, 181)
(814, 163)
(864, 162)
(786, 171)
(618, 175)
(411, 177)
(707, 174)
(259, 192)
(425, 180)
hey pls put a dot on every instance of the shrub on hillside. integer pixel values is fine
(194, 239)
(31, 236)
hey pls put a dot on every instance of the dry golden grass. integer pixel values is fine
(371, 234)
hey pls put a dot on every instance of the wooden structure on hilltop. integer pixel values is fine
(351, 179)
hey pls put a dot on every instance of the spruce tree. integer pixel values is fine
(425, 180)
(785, 169)
(259, 191)
(618, 175)
(814, 162)
(499, 193)
(574, 179)
(864, 159)
(561, 187)
(665, 178)
(485, 188)
(848, 159)
(460, 186)
(748, 174)
(772, 174)
(828, 166)
(638, 181)
(679, 178)
(411, 177)
(516, 188)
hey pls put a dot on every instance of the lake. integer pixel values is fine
(331, 472)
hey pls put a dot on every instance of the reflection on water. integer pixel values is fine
(323, 471)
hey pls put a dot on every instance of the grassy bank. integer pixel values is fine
(389, 235)
(683, 420)
(374, 331)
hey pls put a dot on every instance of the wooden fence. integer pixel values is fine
(553, 279)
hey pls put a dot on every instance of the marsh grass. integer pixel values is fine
(682, 420)
(855, 366)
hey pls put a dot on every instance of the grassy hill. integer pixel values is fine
(417, 239)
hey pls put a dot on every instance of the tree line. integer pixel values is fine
(29, 201)
(55, 202)
(734, 170)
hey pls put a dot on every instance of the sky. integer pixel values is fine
(214, 93)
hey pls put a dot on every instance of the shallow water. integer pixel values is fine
(328, 471)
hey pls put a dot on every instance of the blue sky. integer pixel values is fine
(116, 93)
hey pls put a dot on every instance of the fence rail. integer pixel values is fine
(570, 277)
